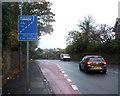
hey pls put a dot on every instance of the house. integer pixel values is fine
(116, 28)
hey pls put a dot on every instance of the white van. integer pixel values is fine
(64, 57)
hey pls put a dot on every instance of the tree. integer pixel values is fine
(10, 14)
(106, 33)
(72, 36)
(87, 27)
(45, 18)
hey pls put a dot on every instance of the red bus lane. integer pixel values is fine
(58, 81)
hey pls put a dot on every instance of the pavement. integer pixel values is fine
(17, 85)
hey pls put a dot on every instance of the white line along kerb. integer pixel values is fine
(63, 72)
(69, 80)
(65, 75)
(61, 69)
(74, 87)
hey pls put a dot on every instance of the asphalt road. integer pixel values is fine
(90, 83)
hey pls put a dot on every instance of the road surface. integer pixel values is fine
(65, 77)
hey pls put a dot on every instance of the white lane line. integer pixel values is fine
(74, 87)
(63, 72)
(69, 80)
(61, 69)
(65, 75)
(115, 72)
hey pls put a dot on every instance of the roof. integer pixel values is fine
(117, 22)
(92, 56)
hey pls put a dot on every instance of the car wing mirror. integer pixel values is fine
(80, 61)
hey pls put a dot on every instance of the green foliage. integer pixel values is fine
(49, 54)
(10, 12)
(45, 16)
(6, 9)
(86, 27)
(88, 40)
(111, 46)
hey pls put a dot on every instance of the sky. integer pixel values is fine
(68, 13)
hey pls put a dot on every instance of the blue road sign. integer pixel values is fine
(27, 28)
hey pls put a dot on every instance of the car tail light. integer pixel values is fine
(89, 62)
(104, 63)
(95, 56)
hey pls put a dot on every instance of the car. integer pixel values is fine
(65, 57)
(93, 63)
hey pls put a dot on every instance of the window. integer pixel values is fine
(96, 59)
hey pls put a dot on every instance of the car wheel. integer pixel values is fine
(86, 70)
(80, 67)
(104, 72)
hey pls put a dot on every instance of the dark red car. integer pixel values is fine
(93, 63)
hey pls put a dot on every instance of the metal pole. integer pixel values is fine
(28, 82)
(20, 56)
(20, 62)
(21, 8)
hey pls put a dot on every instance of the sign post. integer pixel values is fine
(27, 31)
(28, 81)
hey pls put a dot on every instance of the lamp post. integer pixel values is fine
(20, 62)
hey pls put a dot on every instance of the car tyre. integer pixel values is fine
(86, 71)
(104, 72)
(80, 67)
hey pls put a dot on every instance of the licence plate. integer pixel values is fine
(97, 67)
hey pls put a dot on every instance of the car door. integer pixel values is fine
(82, 63)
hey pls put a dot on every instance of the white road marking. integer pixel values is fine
(74, 87)
(65, 75)
(69, 80)
(61, 69)
(115, 72)
(63, 72)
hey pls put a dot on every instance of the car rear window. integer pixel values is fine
(66, 55)
(96, 59)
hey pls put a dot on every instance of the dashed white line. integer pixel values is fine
(63, 72)
(61, 69)
(74, 87)
(69, 80)
(65, 75)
